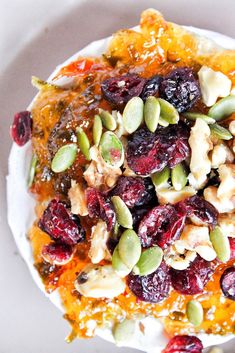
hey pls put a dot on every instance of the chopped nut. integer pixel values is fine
(99, 236)
(200, 143)
(197, 185)
(226, 189)
(170, 195)
(102, 282)
(179, 260)
(222, 206)
(226, 222)
(232, 127)
(220, 155)
(77, 199)
(120, 130)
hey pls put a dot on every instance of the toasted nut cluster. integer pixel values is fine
(99, 236)
(77, 199)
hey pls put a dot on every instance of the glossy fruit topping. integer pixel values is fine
(227, 283)
(151, 87)
(161, 226)
(180, 88)
(21, 129)
(184, 344)
(60, 224)
(192, 280)
(152, 288)
(100, 206)
(119, 90)
(57, 253)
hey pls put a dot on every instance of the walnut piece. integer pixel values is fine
(226, 189)
(77, 198)
(170, 195)
(220, 155)
(222, 206)
(99, 236)
(226, 222)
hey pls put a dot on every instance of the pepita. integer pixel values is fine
(149, 261)
(111, 149)
(220, 244)
(64, 158)
(118, 265)
(194, 312)
(220, 132)
(160, 179)
(108, 120)
(133, 114)
(163, 122)
(97, 130)
(223, 108)
(32, 169)
(194, 116)
(124, 216)
(151, 113)
(124, 332)
(84, 143)
(168, 112)
(179, 177)
(129, 248)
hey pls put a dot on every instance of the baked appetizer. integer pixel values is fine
(133, 177)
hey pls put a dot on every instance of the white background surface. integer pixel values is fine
(35, 36)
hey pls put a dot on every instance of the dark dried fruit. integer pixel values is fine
(161, 226)
(137, 215)
(60, 224)
(62, 184)
(203, 210)
(151, 87)
(192, 280)
(152, 288)
(57, 253)
(232, 248)
(227, 283)
(149, 152)
(184, 344)
(180, 88)
(21, 129)
(100, 206)
(119, 90)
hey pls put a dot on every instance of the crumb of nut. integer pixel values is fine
(99, 236)
(232, 127)
(170, 195)
(226, 189)
(226, 222)
(77, 198)
(179, 259)
(220, 155)
(222, 206)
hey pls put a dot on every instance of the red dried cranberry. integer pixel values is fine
(192, 280)
(60, 224)
(151, 87)
(150, 152)
(161, 226)
(180, 88)
(184, 344)
(137, 215)
(198, 207)
(119, 90)
(232, 248)
(100, 207)
(152, 288)
(21, 129)
(57, 253)
(227, 283)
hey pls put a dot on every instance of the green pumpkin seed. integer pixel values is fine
(168, 112)
(220, 132)
(149, 261)
(220, 244)
(111, 149)
(118, 265)
(97, 130)
(160, 179)
(83, 143)
(124, 332)
(64, 158)
(163, 122)
(151, 113)
(108, 120)
(129, 248)
(124, 216)
(194, 312)
(223, 108)
(42, 85)
(195, 116)
(133, 114)
(32, 169)
(179, 177)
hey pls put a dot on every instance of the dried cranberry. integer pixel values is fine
(161, 226)
(149, 152)
(180, 88)
(232, 248)
(100, 207)
(227, 283)
(60, 224)
(119, 90)
(198, 207)
(151, 87)
(152, 288)
(57, 253)
(21, 129)
(184, 344)
(137, 215)
(192, 280)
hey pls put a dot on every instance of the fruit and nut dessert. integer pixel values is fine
(134, 179)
